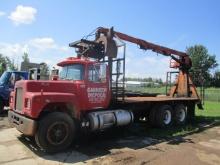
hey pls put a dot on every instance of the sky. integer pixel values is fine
(44, 28)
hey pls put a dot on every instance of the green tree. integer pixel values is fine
(25, 58)
(44, 69)
(6, 63)
(216, 79)
(202, 64)
(25, 64)
(2, 64)
(11, 65)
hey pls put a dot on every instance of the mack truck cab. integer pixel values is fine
(52, 109)
(7, 82)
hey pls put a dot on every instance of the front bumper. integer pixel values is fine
(23, 124)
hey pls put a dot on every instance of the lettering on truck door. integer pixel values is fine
(97, 90)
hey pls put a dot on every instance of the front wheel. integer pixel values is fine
(55, 132)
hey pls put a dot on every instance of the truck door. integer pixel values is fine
(97, 87)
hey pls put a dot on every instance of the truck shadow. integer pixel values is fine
(4, 120)
(4, 114)
(137, 136)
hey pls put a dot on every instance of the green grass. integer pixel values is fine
(210, 113)
(211, 109)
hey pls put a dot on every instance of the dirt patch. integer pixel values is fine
(212, 143)
(4, 121)
(209, 158)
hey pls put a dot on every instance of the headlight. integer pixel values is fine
(27, 103)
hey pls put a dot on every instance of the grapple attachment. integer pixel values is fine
(103, 45)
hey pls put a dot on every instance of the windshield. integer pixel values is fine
(72, 72)
(4, 78)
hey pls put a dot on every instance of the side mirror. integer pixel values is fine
(34, 74)
(12, 81)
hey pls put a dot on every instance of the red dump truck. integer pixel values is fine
(90, 94)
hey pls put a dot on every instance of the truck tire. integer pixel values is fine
(191, 112)
(180, 114)
(55, 132)
(152, 116)
(1, 106)
(164, 116)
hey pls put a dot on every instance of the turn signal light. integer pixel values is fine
(27, 103)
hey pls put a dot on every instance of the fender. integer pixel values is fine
(39, 101)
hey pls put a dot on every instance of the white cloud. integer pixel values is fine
(2, 13)
(146, 64)
(43, 43)
(43, 49)
(23, 15)
(13, 50)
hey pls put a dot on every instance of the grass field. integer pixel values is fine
(211, 111)
(212, 94)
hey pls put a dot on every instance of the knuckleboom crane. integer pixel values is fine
(105, 45)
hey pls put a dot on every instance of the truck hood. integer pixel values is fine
(48, 86)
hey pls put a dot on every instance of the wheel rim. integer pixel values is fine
(167, 117)
(181, 115)
(57, 133)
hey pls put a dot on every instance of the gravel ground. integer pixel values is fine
(115, 147)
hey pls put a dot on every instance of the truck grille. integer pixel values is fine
(19, 96)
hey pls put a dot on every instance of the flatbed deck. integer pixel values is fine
(157, 99)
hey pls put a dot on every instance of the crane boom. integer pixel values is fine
(182, 58)
(145, 44)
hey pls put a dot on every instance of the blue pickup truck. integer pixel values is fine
(7, 81)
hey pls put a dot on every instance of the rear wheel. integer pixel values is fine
(152, 116)
(55, 132)
(180, 114)
(164, 116)
(191, 112)
(1, 106)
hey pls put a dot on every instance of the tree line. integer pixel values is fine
(148, 80)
